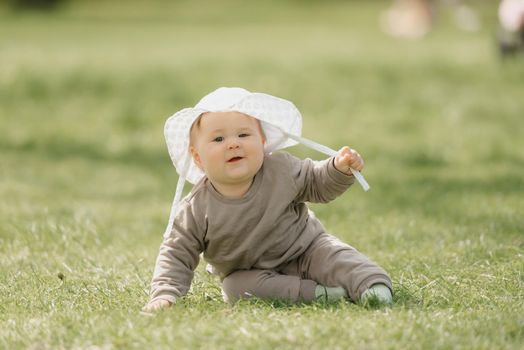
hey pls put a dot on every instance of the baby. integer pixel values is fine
(247, 212)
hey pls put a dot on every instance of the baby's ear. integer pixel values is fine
(196, 157)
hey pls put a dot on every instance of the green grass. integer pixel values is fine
(86, 182)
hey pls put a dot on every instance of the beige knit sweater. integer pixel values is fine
(265, 229)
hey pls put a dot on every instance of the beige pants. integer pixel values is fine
(327, 261)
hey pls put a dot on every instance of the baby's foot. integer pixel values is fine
(378, 294)
(330, 294)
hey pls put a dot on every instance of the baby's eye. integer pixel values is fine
(218, 139)
(243, 135)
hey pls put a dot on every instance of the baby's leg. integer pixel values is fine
(267, 284)
(333, 263)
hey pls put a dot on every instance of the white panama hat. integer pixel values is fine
(280, 120)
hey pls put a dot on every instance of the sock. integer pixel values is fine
(330, 294)
(377, 293)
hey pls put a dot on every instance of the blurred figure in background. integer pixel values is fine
(408, 18)
(511, 26)
(415, 18)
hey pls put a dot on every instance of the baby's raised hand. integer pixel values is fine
(348, 158)
(156, 306)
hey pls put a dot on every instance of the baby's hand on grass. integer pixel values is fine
(156, 306)
(348, 158)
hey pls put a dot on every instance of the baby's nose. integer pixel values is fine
(233, 144)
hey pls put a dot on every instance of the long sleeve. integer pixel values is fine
(319, 182)
(178, 257)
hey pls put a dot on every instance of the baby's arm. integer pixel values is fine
(348, 158)
(176, 261)
(319, 181)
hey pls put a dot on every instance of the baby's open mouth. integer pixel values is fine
(234, 159)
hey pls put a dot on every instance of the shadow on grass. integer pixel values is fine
(276, 304)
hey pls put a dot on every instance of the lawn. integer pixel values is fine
(86, 183)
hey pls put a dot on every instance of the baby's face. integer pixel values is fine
(228, 147)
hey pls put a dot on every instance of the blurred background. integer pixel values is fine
(431, 93)
(426, 91)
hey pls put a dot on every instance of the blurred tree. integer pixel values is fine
(35, 4)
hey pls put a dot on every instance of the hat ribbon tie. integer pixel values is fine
(178, 195)
(329, 152)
